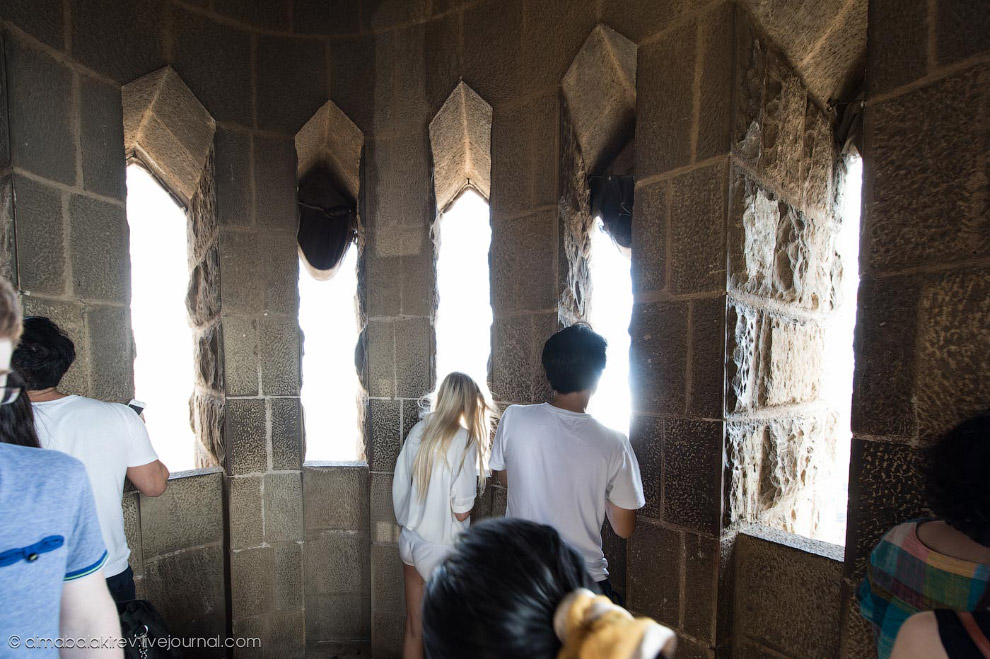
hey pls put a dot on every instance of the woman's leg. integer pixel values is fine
(412, 646)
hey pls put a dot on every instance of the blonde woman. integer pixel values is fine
(442, 466)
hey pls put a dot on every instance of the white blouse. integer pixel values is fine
(452, 489)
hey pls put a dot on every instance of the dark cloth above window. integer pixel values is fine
(327, 222)
(612, 200)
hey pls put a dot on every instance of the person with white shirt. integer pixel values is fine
(110, 439)
(442, 465)
(561, 466)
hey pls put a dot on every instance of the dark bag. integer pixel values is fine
(142, 627)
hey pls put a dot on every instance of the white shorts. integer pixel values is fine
(422, 555)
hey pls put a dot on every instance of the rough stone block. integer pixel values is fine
(320, 17)
(897, 44)
(187, 588)
(411, 415)
(287, 97)
(207, 357)
(246, 436)
(714, 82)
(385, 423)
(207, 416)
(333, 617)
(281, 268)
(42, 19)
(614, 549)
(442, 57)
(252, 581)
(748, 89)
(665, 102)
(336, 498)
(697, 230)
(550, 45)
(330, 138)
(99, 250)
(784, 104)
(398, 181)
(658, 354)
(246, 519)
(122, 40)
(39, 92)
(40, 236)
(111, 361)
(387, 601)
(273, 15)
(102, 138)
(382, 287)
(287, 437)
(942, 121)
(383, 525)
(400, 106)
(240, 351)
(288, 576)
(961, 30)
(287, 632)
(132, 530)
(188, 514)
(817, 162)
(233, 177)
(336, 563)
(649, 245)
(280, 356)
(379, 337)
(71, 319)
(524, 156)
(646, 437)
(214, 59)
(795, 362)
(811, 585)
(512, 359)
(494, 72)
(241, 254)
(701, 571)
(705, 398)
(641, 19)
(383, 14)
(418, 282)
(353, 65)
(523, 262)
(413, 357)
(692, 481)
(461, 142)
(275, 183)
(655, 567)
(283, 507)
(203, 294)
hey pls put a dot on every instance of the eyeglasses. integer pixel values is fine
(9, 393)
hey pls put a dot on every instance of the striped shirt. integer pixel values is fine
(905, 576)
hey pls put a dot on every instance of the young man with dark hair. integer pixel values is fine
(561, 466)
(51, 550)
(109, 438)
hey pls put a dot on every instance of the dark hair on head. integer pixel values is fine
(10, 312)
(496, 594)
(958, 478)
(44, 354)
(17, 418)
(574, 358)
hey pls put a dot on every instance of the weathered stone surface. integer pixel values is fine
(384, 422)
(214, 59)
(203, 295)
(207, 360)
(42, 20)
(771, 573)
(513, 359)
(240, 346)
(651, 209)
(658, 355)
(665, 102)
(655, 566)
(207, 412)
(398, 180)
(413, 357)
(122, 40)
(283, 507)
(188, 514)
(926, 140)
(39, 109)
(288, 96)
(549, 45)
(273, 15)
(342, 616)
(646, 437)
(233, 176)
(692, 474)
(697, 230)
(897, 44)
(332, 139)
(111, 359)
(70, 317)
(442, 57)
(275, 183)
(352, 62)
(246, 519)
(714, 102)
(252, 581)
(188, 590)
(101, 138)
(336, 498)
(287, 632)
(418, 283)
(320, 17)
(387, 601)
(614, 549)
(132, 530)
(961, 30)
(383, 525)
(784, 103)
(641, 19)
(99, 250)
(286, 428)
(336, 563)
(281, 270)
(701, 571)
(707, 367)
(382, 293)
(246, 436)
(522, 257)
(379, 338)
(817, 162)
(600, 88)
(461, 142)
(40, 237)
(280, 356)
(524, 156)
(748, 86)
(494, 71)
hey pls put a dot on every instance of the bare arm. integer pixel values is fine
(150, 479)
(622, 520)
(88, 612)
(918, 638)
(462, 516)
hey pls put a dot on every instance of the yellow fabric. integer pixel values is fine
(598, 629)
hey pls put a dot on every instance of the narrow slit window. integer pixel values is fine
(609, 315)
(331, 388)
(163, 365)
(464, 313)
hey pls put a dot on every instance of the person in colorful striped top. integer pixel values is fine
(940, 563)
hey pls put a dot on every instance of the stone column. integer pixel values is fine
(923, 327)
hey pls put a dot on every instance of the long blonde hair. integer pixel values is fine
(459, 403)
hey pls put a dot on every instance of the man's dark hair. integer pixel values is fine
(44, 354)
(958, 486)
(574, 359)
(496, 594)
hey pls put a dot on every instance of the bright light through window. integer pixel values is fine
(464, 314)
(163, 367)
(330, 384)
(833, 489)
(611, 309)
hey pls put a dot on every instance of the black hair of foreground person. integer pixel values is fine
(44, 354)
(17, 418)
(957, 484)
(574, 359)
(496, 594)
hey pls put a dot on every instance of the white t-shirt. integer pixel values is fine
(453, 488)
(107, 438)
(561, 467)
